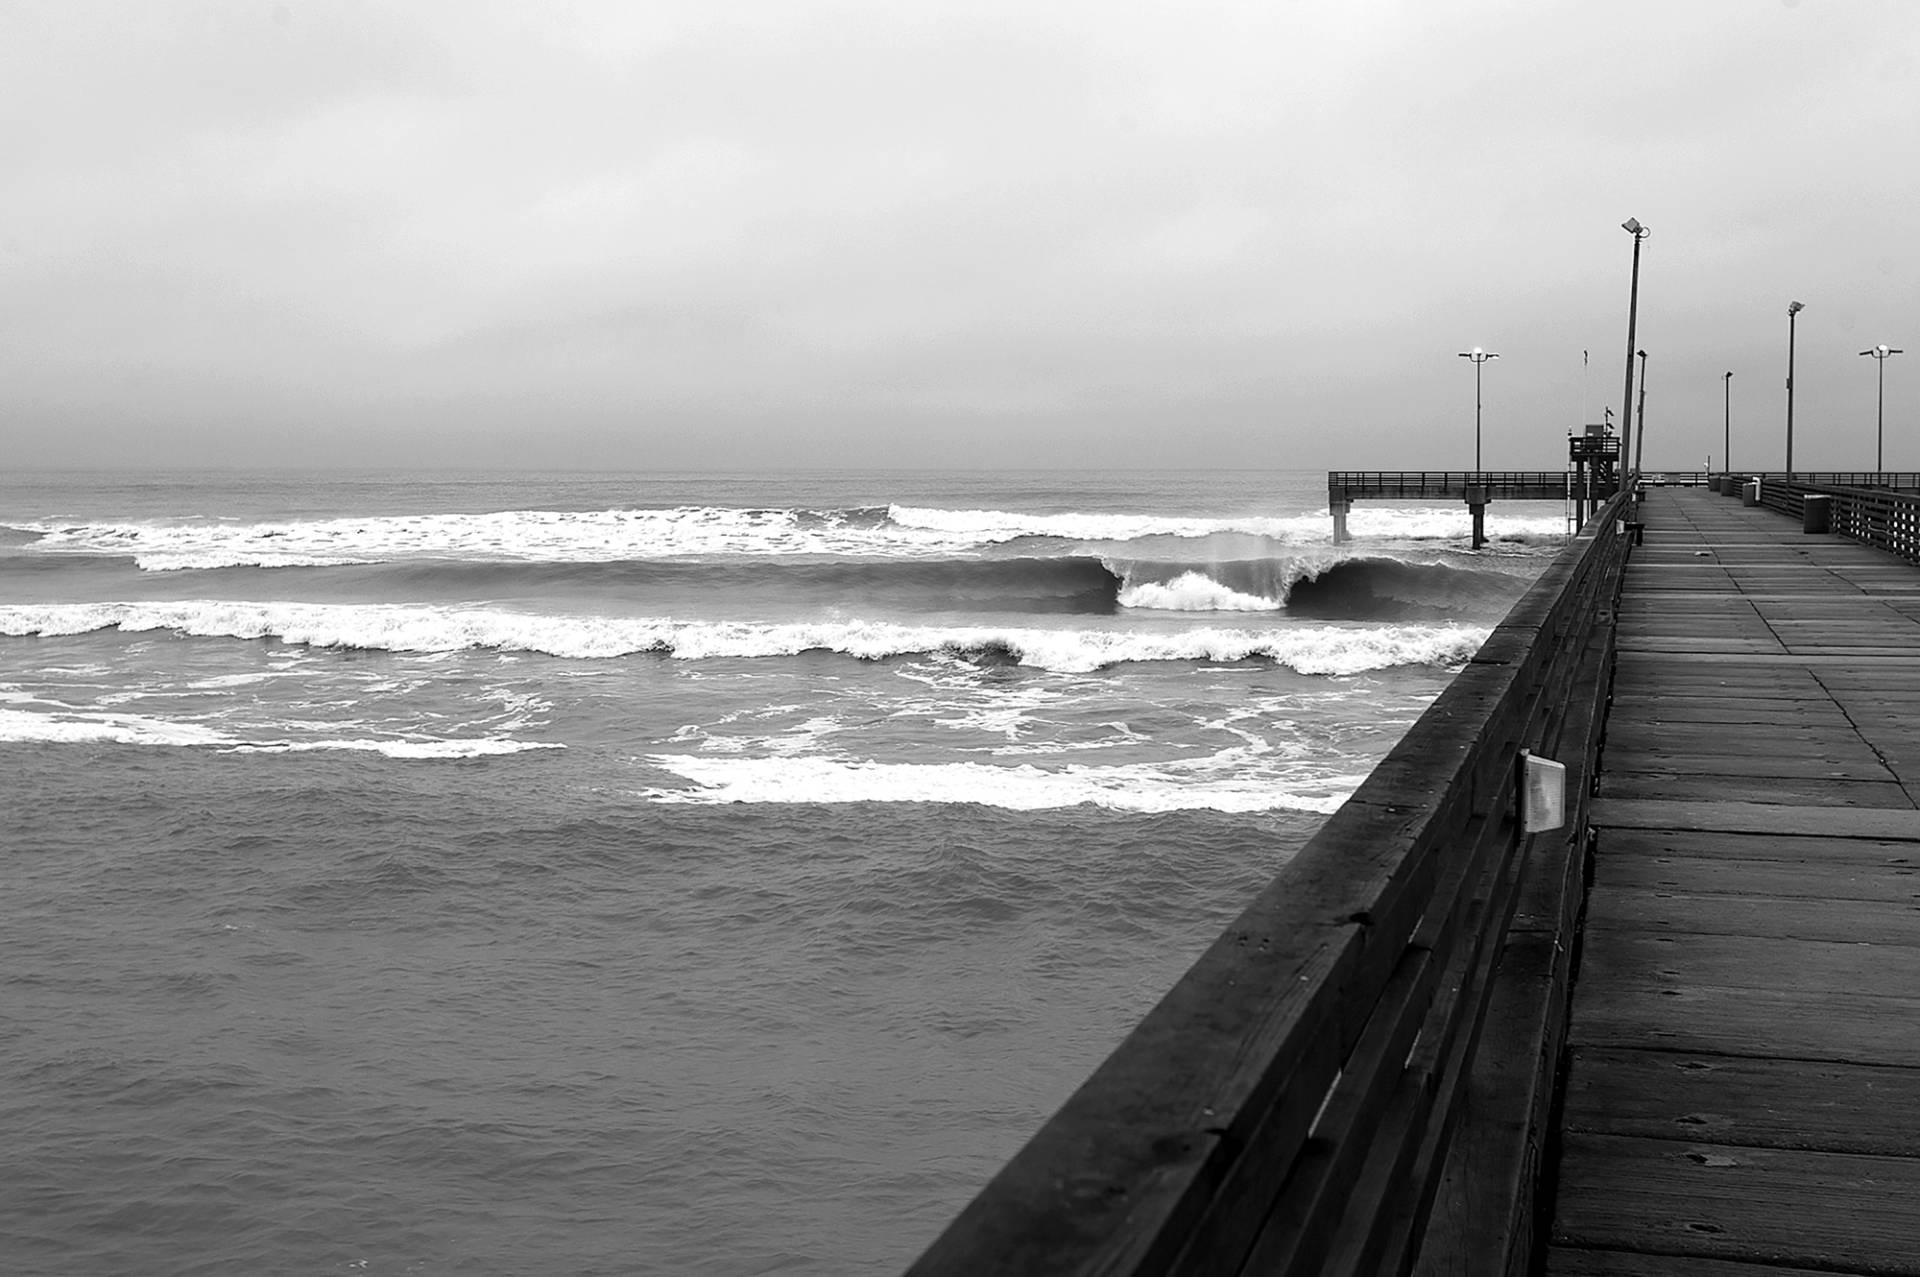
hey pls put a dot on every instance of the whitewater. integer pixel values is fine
(654, 873)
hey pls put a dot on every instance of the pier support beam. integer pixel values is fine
(1477, 506)
(1339, 508)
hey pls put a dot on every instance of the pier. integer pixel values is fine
(1475, 487)
(1744, 1081)
(1429, 1047)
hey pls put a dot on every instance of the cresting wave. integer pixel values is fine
(1323, 650)
(705, 531)
(1321, 583)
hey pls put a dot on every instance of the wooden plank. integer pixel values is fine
(1633, 645)
(1667, 642)
(1851, 1028)
(1694, 678)
(1732, 960)
(1619, 845)
(1842, 1212)
(1579, 1261)
(1762, 1103)
(1790, 729)
(1782, 790)
(1784, 917)
(1829, 765)
(1872, 877)
(1729, 711)
(1679, 696)
(1781, 739)
(1755, 818)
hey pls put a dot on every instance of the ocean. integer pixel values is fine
(642, 873)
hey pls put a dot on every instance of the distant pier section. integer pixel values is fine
(1589, 479)
(1475, 487)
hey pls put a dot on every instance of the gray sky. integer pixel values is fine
(889, 232)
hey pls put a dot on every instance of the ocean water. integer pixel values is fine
(681, 874)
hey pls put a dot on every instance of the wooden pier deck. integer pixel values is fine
(1744, 1089)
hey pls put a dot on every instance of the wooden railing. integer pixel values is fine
(1880, 516)
(1408, 484)
(1289, 1106)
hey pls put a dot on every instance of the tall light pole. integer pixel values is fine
(1880, 354)
(1793, 313)
(1640, 429)
(1479, 358)
(1632, 227)
(1726, 444)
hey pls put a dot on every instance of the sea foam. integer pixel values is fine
(1230, 787)
(64, 726)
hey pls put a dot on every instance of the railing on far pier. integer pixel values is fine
(1290, 1105)
(1509, 485)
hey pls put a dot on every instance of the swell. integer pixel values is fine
(1358, 588)
(1071, 584)
(1394, 589)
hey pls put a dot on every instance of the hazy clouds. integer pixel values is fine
(704, 234)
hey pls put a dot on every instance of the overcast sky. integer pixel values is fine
(898, 232)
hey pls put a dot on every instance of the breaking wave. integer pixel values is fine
(711, 531)
(1322, 650)
(1322, 585)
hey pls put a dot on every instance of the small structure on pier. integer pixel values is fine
(1593, 461)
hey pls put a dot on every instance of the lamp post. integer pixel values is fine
(1632, 227)
(1726, 444)
(1640, 427)
(1793, 313)
(1479, 358)
(1880, 354)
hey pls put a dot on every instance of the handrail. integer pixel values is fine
(1898, 479)
(1880, 516)
(1418, 483)
(1288, 1105)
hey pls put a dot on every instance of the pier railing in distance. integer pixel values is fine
(1499, 485)
(1291, 1105)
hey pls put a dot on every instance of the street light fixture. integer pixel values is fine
(1793, 313)
(1632, 227)
(1726, 444)
(1880, 354)
(1479, 358)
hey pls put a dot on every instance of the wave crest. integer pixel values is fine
(562, 536)
(1325, 650)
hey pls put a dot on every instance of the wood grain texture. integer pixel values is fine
(1844, 1212)
(1691, 1095)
